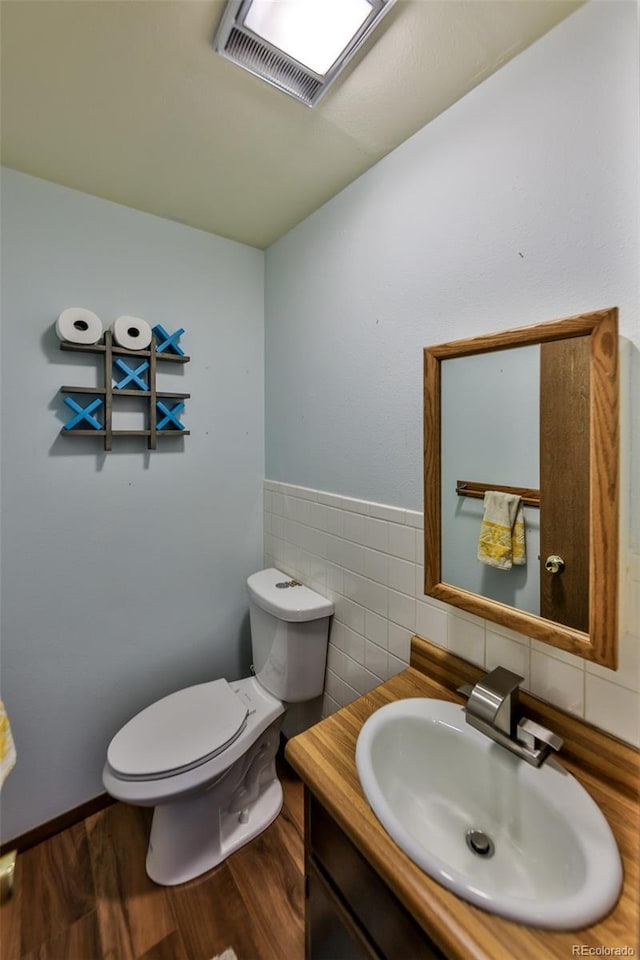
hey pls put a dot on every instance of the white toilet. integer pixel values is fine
(204, 757)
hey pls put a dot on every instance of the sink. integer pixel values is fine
(526, 843)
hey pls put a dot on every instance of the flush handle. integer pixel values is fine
(554, 564)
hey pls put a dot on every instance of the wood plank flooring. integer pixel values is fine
(84, 895)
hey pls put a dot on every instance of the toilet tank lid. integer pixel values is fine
(292, 603)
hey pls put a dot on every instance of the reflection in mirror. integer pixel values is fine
(490, 432)
(530, 412)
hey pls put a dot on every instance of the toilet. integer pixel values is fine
(204, 757)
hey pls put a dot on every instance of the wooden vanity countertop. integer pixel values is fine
(324, 757)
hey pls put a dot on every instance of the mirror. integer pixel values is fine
(533, 412)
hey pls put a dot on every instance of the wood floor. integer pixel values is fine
(84, 895)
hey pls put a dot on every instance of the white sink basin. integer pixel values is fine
(431, 779)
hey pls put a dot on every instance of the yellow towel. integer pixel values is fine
(502, 543)
(517, 538)
(7, 746)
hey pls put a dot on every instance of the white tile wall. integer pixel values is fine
(367, 558)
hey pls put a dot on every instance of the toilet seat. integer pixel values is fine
(178, 733)
(264, 710)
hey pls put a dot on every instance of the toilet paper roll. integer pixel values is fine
(78, 325)
(132, 333)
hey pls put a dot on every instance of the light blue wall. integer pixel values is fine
(123, 574)
(518, 205)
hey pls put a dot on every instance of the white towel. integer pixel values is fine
(502, 542)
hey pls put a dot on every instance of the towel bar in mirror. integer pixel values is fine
(531, 410)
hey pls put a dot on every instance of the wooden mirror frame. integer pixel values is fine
(600, 644)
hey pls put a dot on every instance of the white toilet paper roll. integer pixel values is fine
(78, 325)
(132, 333)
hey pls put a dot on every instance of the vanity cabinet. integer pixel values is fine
(350, 913)
(365, 898)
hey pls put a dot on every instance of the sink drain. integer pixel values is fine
(479, 843)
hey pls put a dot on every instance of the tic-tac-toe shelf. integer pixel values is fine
(100, 391)
(162, 419)
(125, 433)
(121, 351)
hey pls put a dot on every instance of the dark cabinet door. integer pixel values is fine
(350, 912)
(331, 934)
(564, 480)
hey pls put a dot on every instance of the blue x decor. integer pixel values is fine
(167, 341)
(132, 376)
(83, 413)
(170, 416)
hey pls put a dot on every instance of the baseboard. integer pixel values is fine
(49, 829)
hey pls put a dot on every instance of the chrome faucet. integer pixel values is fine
(493, 708)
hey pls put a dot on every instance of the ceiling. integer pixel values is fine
(126, 100)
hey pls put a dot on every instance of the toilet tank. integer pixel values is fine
(289, 635)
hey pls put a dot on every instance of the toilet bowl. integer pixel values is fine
(204, 756)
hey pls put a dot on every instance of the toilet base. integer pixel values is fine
(192, 835)
(181, 851)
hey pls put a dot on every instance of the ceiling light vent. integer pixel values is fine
(262, 60)
(299, 46)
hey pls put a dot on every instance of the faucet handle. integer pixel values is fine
(465, 690)
(535, 735)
